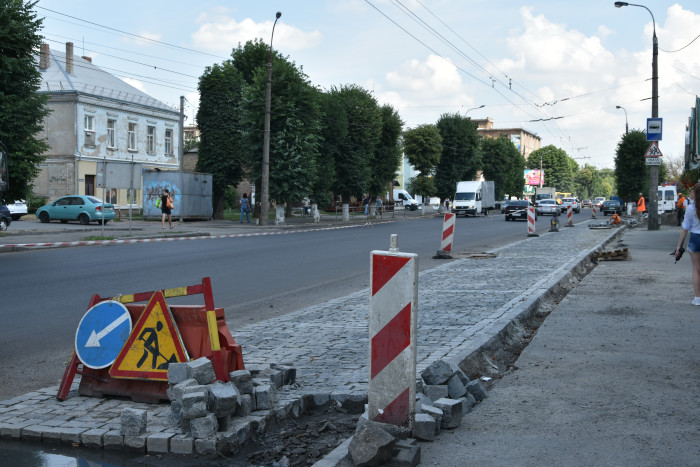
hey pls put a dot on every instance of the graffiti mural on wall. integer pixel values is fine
(155, 191)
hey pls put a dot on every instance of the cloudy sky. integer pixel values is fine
(555, 68)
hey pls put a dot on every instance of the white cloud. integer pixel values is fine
(222, 33)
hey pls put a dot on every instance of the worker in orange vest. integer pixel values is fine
(641, 206)
(680, 207)
(615, 219)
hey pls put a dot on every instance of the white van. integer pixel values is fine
(666, 198)
(402, 198)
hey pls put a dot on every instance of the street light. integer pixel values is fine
(265, 182)
(474, 108)
(627, 128)
(653, 223)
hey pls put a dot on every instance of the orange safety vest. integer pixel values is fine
(615, 219)
(641, 207)
(681, 202)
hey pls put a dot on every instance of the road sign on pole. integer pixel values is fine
(652, 161)
(654, 128)
(101, 334)
(653, 151)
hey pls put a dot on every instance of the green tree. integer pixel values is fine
(220, 149)
(354, 112)
(460, 158)
(559, 168)
(423, 148)
(22, 108)
(295, 130)
(631, 173)
(386, 157)
(503, 164)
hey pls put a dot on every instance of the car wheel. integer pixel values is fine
(44, 217)
(3, 224)
(15, 217)
(84, 219)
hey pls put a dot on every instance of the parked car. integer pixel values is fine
(5, 217)
(586, 203)
(547, 206)
(84, 209)
(517, 209)
(17, 209)
(610, 206)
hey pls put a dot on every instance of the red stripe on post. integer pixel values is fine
(391, 340)
(384, 268)
(448, 232)
(397, 412)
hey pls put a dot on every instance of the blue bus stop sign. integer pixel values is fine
(654, 129)
(101, 334)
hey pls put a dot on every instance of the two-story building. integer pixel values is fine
(523, 140)
(97, 118)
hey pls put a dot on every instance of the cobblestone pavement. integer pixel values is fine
(461, 304)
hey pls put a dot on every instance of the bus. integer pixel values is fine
(561, 195)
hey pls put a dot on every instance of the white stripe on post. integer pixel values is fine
(569, 216)
(448, 232)
(531, 222)
(392, 337)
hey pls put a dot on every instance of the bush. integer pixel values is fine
(35, 202)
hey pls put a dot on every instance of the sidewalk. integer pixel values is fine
(611, 378)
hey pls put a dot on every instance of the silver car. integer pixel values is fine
(547, 206)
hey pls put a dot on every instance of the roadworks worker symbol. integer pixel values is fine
(153, 345)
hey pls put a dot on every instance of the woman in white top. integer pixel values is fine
(691, 223)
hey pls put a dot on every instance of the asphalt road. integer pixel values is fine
(46, 292)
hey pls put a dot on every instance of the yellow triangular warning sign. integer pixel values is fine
(653, 150)
(153, 344)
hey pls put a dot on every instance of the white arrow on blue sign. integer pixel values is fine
(102, 333)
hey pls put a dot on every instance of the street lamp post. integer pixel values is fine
(265, 182)
(474, 108)
(627, 127)
(653, 216)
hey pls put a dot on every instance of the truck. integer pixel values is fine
(545, 192)
(403, 198)
(472, 198)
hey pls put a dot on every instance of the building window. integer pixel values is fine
(90, 123)
(131, 136)
(111, 133)
(151, 140)
(168, 142)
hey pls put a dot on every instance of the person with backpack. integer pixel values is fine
(680, 207)
(166, 207)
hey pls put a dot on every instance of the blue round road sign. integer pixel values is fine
(101, 334)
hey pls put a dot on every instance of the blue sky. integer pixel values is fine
(555, 68)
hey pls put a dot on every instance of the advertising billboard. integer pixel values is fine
(533, 177)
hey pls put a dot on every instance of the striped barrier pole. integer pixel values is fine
(569, 216)
(595, 212)
(448, 232)
(531, 222)
(392, 335)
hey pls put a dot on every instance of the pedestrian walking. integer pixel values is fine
(641, 206)
(691, 223)
(379, 206)
(245, 208)
(365, 203)
(166, 209)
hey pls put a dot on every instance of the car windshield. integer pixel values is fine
(548, 201)
(518, 203)
(464, 196)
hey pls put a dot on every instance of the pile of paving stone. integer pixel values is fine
(444, 395)
(214, 416)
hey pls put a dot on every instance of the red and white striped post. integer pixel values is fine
(448, 232)
(531, 222)
(595, 212)
(569, 216)
(392, 336)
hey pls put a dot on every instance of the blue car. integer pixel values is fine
(84, 209)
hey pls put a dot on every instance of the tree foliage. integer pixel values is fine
(386, 157)
(559, 168)
(631, 173)
(460, 158)
(504, 165)
(423, 148)
(220, 146)
(22, 108)
(294, 130)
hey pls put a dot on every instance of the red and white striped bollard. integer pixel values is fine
(448, 232)
(392, 336)
(595, 212)
(531, 222)
(569, 216)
